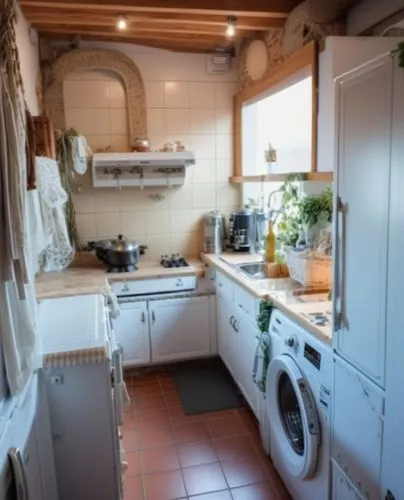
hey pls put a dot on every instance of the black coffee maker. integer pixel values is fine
(241, 230)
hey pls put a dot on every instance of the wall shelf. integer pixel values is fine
(308, 176)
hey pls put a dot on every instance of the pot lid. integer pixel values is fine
(122, 244)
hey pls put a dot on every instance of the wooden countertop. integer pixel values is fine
(87, 275)
(287, 295)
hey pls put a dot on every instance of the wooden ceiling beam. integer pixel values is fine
(134, 35)
(251, 8)
(138, 28)
(167, 44)
(197, 22)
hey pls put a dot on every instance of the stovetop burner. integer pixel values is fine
(122, 269)
(319, 318)
(176, 260)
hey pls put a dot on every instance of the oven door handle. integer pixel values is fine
(18, 470)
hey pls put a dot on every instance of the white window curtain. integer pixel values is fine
(17, 295)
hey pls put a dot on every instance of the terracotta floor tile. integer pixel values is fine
(144, 390)
(153, 437)
(199, 453)
(133, 489)
(225, 427)
(186, 433)
(130, 441)
(204, 479)
(262, 491)
(129, 422)
(160, 459)
(147, 403)
(172, 398)
(148, 378)
(249, 423)
(164, 486)
(167, 384)
(129, 409)
(152, 419)
(235, 447)
(133, 460)
(244, 471)
(218, 495)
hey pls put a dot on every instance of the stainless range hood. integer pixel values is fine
(140, 169)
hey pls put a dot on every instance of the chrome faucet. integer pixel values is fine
(272, 211)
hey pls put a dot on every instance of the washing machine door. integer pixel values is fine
(295, 427)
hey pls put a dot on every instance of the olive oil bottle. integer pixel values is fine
(270, 244)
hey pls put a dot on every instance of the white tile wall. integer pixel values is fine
(95, 105)
(183, 103)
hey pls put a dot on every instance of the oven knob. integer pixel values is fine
(291, 341)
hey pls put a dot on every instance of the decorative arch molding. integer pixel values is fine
(79, 60)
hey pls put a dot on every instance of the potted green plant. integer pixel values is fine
(316, 213)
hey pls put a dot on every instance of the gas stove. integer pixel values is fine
(175, 260)
(122, 269)
(320, 318)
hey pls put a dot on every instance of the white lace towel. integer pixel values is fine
(59, 253)
(80, 152)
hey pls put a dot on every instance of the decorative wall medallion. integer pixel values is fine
(77, 61)
(256, 59)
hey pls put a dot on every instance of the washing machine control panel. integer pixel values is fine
(312, 355)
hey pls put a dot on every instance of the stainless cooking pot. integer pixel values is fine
(119, 252)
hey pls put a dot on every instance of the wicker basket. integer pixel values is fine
(309, 269)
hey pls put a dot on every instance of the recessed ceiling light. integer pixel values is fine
(231, 26)
(122, 23)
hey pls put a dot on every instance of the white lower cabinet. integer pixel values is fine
(238, 340)
(179, 328)
(166, 330)
(132, 332)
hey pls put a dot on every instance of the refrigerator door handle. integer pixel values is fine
(18, 470)
(340, 319)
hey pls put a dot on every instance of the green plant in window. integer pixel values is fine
(289, 221)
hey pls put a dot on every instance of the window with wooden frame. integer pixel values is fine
(279, 114)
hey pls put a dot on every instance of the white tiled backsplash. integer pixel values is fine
(183, 103)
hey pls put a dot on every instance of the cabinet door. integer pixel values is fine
(132, 332)
(179, 328)
(365, 116)
(245, 347)
(393, 439)
(32, 466)
(225, 331)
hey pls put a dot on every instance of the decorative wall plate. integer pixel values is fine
(256, 59)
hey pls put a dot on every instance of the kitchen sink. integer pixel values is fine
(255, 271)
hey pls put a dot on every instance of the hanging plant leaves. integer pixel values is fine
(399, 53)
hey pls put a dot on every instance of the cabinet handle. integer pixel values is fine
(235, 326)
(220, 285)
(341, 320)
(153, 316)
(231, 319)
(143, 317)
(17, 465)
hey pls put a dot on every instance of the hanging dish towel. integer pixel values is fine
(261, 362)
(59, 253)
(80, 151)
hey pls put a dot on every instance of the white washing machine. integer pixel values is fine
(299, 382)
